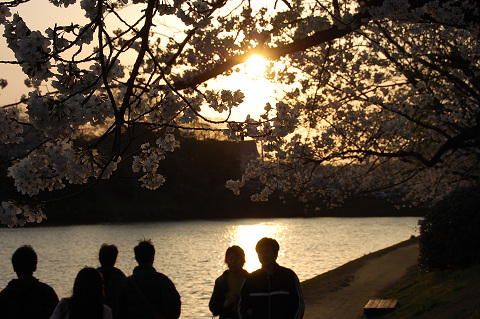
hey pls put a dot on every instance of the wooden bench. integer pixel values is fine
(378, 307)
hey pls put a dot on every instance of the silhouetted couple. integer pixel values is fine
(95, 291)
(146, 293)
(271, 292)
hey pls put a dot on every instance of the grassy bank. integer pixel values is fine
(437, 295)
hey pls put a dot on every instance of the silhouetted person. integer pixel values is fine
(113, 277)
(226, 292)
(87, 300)
(148, 293)
(273, 291)
(26, 297)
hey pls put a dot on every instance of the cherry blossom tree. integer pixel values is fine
(390, 108)
(377, 95)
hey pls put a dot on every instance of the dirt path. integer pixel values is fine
(343, 292)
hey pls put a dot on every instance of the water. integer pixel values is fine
(191, 252)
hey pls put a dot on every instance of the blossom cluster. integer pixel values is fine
(31, 48)
(148, 161)
(47, 166)
(224, 100)
(4, 13)
(13, 215)
(10, 129)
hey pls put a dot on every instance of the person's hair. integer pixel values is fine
(144, 252)
(24, 261)
(267, 243)
(237, 251)
(108, 255)
(87, 298)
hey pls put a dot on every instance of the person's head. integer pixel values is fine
(88, 284)
(267, 251)
(108, 255)
(235, 258)
(144, 252)
(88, 297)
(24, 261)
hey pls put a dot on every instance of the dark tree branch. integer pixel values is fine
(269, 53)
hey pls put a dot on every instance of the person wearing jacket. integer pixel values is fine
(26, 297)
(113, 278)
(273, 291)
(226, 292)
(148, 294)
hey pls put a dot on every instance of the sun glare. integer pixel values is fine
(250, 79)
(256, 65)
(247, 236)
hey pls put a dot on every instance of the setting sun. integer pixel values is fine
(255, 65)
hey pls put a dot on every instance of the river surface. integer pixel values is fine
(191, 252)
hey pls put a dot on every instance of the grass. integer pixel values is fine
(437, 295)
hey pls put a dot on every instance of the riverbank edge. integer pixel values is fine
(341, 277)
(355, 264)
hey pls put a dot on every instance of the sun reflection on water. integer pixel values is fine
(247, 236)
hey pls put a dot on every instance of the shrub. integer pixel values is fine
(450, 234)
